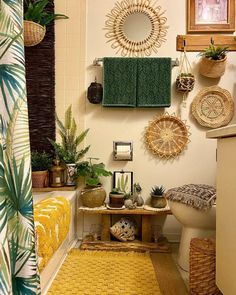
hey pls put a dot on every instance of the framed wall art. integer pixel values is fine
(123, 180)
(210, 16)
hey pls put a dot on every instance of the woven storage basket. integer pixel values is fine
(212, 68)
(202, 267)
(33, 33)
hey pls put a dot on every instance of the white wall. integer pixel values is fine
(197, 164)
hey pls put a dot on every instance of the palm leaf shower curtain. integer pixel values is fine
(18, 261)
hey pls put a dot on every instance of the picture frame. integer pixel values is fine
(125, 177)
(205, 16)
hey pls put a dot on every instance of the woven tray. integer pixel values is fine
(167, 136)
(213, 107)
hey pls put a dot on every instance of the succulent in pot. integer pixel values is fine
(185, 82)
(40, 163)
(116, 198)
(157, 198)
(213, 61)
(93, 195)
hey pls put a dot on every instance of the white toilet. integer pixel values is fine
(196, 224)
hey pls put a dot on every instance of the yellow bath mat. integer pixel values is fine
(106, 273)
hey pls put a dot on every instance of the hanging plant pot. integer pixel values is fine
(33, 33)
(185, 82)
(212, 68)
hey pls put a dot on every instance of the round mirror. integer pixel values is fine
(137, 26)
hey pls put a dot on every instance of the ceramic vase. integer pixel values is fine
(70, 174)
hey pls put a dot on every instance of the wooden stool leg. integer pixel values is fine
(146, 228)
(106, 223)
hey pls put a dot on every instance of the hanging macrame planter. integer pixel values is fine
(185, 80)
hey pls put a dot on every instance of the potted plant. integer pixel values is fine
(93, 195)
(116, 198)
(68, 150)
(213, 61)
(36, 18)
(157, 198)
(40, 163)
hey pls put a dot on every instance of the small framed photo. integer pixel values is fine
(123, 180)
(211, 16)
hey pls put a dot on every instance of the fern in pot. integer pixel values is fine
(157, 198)
(213, 61)
(40, 164)
(93, 194)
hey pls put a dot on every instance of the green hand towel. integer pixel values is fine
(119, 82)
(154, 82)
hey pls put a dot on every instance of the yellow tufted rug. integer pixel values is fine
(106, 273)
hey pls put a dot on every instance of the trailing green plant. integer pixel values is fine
(67, 151)
(92, 172)
(40, 161)
(214, 52)
(36, 11)
(157, 190)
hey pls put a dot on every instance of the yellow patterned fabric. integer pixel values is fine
(106, 273)
(52, 221)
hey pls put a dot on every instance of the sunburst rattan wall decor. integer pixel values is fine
(115, 27)
(167, 136)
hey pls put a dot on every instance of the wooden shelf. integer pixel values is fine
(138, 246)
(200, 42)
(51, 189)
(125, 212)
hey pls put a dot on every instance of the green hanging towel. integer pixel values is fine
(119, 82)
(154, 82)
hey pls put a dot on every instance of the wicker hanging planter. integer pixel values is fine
(33, 33)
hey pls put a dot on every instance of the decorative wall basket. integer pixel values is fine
(33, 33)
(136, 27)
(212, 68)
(167, 136)
(213, 107)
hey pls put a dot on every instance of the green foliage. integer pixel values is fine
(214, 52)
(92, 172)
(36, 12)
(186, 75)
(40, 161)
(115, 191)
(67, 151)
(137, 187)
(157, 190)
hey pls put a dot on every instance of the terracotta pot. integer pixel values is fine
(116, 200)
(158, 201)
(39, 179)
(212, 68)
(93, 196)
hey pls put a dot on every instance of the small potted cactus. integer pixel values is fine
(157, 198)
(116, 198)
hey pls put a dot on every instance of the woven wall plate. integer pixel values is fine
(213, 107)
(167, 136)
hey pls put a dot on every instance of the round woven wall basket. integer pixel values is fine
(33, 33)
(167, 136)
(213, 107)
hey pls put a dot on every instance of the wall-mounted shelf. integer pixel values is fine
(200, 42)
